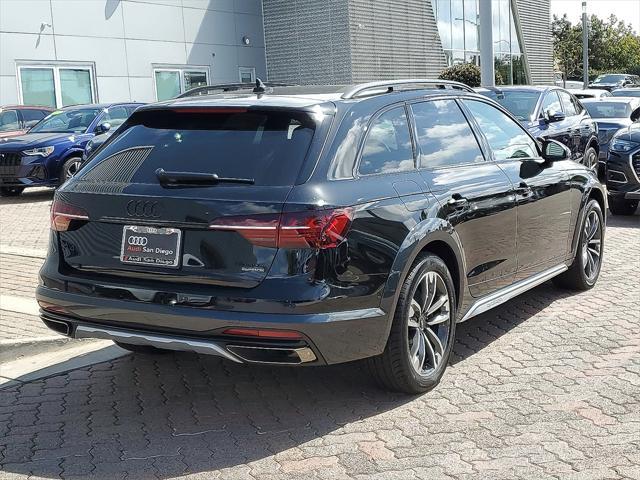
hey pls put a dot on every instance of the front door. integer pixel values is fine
(541, 189)
(474, 194)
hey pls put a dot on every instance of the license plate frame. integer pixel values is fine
(151, 246)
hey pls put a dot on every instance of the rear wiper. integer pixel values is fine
(196, 179)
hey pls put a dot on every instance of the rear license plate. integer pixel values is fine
(151, 246)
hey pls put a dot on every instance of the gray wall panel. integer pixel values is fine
(307, 41)
(536, 33)
(392, 39)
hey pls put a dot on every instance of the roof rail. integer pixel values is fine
(390, 85)
(226, 87)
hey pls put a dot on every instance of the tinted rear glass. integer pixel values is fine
(266, 146)
(608, 109)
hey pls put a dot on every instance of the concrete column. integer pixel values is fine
(487, 68)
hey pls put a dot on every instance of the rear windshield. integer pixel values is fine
(520, 103)
(626, 93)
(608, 110)
(609, 78)
(268, 147)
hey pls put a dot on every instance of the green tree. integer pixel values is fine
(613, 46)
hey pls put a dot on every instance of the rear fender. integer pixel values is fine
(431, 230)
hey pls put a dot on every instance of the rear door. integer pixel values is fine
(144, 225)
(474, 194)
(541, 190)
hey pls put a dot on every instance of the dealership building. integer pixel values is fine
(64, 52)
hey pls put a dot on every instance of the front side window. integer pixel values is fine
(67, 121)
(171, 82)
(506, 137)
(56, 85)
(9, 121)
(388, 146)
(444, 135)
(567, 103)
(551, 103)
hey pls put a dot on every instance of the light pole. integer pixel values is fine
(585, 46)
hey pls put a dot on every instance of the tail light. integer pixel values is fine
(62, 214)
(319, 229)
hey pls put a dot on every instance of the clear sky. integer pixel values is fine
(627, 10)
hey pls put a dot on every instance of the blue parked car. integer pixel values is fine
(51, 152)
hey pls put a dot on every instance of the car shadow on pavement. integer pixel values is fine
(624, 221)
(29, 196)
(166, 415)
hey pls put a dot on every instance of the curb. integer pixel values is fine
(14, 349)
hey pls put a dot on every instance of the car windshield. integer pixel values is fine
(520, 103)
(626, 93)
(71, 121)
(608, 109)
(609, 78)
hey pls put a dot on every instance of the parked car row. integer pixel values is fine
(51, 151)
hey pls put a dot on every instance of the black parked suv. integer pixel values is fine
(623, 171)
(317, 225)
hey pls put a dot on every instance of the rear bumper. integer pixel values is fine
(331, 337)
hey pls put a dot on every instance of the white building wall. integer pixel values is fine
(124, 39)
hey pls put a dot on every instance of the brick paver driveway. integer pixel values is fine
(546, 386)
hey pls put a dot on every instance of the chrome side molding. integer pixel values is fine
(159, 341)
(507, 293)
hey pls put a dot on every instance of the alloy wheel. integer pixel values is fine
(592, 245)
(72, 168)
(591, 159)
(429, 323)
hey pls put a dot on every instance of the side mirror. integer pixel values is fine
(552, 117)
(553, 151)
(102, 128)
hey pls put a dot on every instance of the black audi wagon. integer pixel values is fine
(316, 225)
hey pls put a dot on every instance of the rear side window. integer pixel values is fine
(388, 146)
(266, 146)
(567, 103)
(444, 135)
(116, 116)
(551, 103)
(506, 137)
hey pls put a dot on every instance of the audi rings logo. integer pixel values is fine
(143, 208)
(137, 241)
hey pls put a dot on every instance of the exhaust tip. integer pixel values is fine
(57, 326)
(272, 355)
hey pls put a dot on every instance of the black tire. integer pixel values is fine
(69, 168)
(620, 206)
(393, 369)
(578, 276)
(10, 191)
(590, 159)
(145, 349)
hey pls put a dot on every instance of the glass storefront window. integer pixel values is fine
(38, 87)
(75, 86)
(459, 33)
(56, 85)
(171, 82)
(167, 84)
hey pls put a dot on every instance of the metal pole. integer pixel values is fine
(585, 46)
(487, 68)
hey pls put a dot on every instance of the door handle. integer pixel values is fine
(457, 201)
(523, 189)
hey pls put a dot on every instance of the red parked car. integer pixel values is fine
(17, 119)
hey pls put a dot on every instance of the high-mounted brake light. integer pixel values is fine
(208, 110)
(320, 229)
(62, 214)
